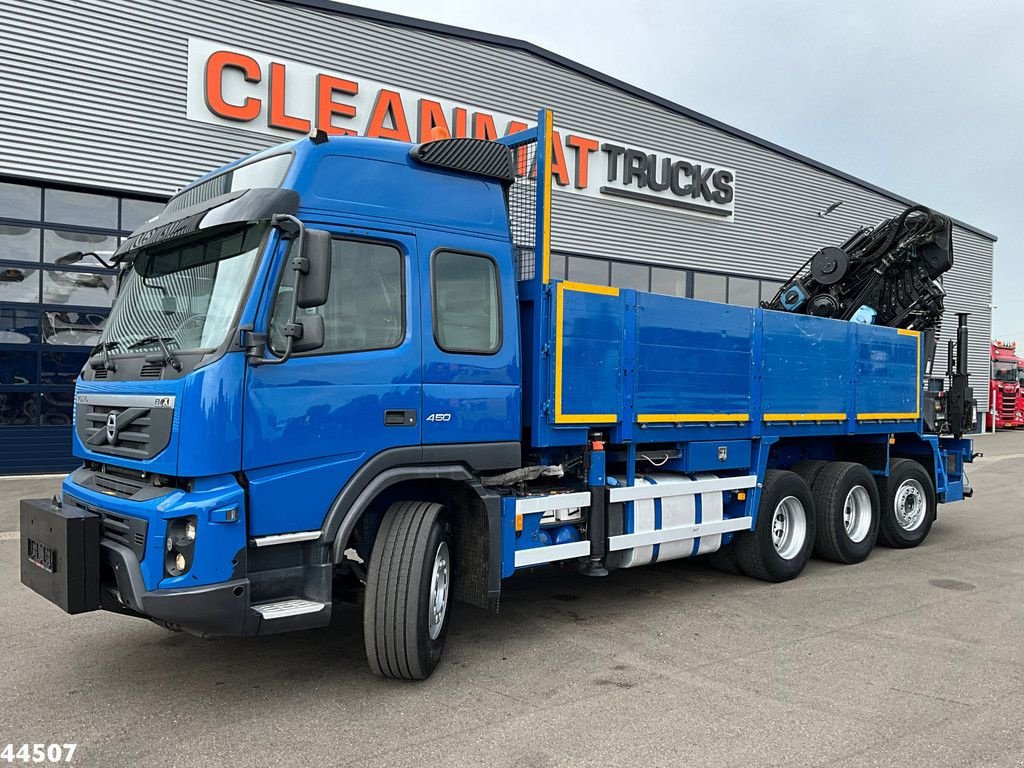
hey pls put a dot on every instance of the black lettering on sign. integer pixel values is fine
(635, 167)
(614, 151)
(723, 187)
(653, 180)
(675, 180)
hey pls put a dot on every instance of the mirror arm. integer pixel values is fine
(291, 229)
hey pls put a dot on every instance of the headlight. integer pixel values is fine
(179, 545)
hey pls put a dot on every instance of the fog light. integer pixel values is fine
(180, 545)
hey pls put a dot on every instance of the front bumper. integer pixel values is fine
(65, 560)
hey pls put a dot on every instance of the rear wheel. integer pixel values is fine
(408, 596)
(908, 504)
(846, 506)
(780, 545)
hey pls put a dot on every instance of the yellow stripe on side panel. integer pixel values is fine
(546, 177)
(574, 418)
(917, 388)
(805, 417)
(689, 418)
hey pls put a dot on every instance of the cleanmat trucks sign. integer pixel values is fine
(239, 88)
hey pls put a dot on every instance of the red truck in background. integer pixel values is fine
(1006, 401)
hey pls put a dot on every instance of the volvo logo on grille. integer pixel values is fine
(112, 427)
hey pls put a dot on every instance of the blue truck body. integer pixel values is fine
(665, 414)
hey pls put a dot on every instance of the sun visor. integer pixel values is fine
(232, 207)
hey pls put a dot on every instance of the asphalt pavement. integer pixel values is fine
(912, 658)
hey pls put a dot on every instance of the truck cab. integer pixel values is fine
(293, 319)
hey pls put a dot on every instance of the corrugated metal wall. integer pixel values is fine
(95, 93)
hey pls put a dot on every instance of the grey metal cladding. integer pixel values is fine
(95, 93)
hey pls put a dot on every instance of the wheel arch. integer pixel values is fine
(475, 510)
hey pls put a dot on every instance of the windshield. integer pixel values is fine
(186, 295)
(1004, 371)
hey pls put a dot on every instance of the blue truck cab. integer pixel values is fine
(339, 368)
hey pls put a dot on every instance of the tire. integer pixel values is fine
(779, 547)
(809, 470)
(900, 525)
(411, 559)
(847, 510)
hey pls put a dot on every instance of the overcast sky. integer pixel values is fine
(923, 98)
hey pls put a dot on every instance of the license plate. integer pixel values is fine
(43, 556)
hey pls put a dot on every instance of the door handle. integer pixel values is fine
(400, 418)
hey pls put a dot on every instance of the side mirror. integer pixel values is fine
(315, 281)
(312, 333)
(72, 257)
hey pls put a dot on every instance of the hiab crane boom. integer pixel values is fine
(340, 368)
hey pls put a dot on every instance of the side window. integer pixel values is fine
(467, 312)
(365, 307)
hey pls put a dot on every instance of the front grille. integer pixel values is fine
(129, 531)
(133, 441)
(151, 371)
(117, 486)
(132, 427)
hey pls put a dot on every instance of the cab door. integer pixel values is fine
(312, 421)
(470, 330)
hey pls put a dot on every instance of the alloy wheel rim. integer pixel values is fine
(439, 579)
(789, 527)
(857, 513)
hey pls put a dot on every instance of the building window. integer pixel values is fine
(467, 312)
(709, 287)
(670, 282)
(84, 209)
(585, 270)
(636, 276)
(20, 201)
(51, 315)
(744, 291)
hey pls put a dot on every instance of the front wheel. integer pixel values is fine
(780, 545)
(408, 591)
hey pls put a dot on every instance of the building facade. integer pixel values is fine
(110, 106)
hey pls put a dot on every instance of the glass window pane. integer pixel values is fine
(73, 328)
(88, 289)
(18, 284)
(19, 326)
(671, 282)
(17, 367)
(57, 244)
(467, 317)
(743, 291)
(62, 366)
(769, 288)
(135, 213)
(557, 266)
(18, 409)
(708, 287)
(19, 243)
(584, 270)
(630, 276)
(56, 408)
(84, 208)
(365, 304)
(20, 201)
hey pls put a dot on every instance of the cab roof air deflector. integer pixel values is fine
(475, 156)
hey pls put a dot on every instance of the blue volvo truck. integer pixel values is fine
(339, 370)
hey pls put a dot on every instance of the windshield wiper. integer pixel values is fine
(165, 356)
(96, 363)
